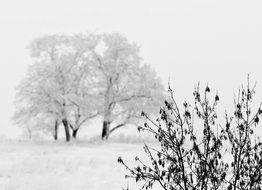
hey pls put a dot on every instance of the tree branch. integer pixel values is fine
(128, 99)
(87, 118)
(117, 127)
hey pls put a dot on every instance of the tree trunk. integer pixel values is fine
(29, 133)
(67, 133)
(56, 130)
(105, 131)
(74, 134)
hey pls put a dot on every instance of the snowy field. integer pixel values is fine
(66, 166)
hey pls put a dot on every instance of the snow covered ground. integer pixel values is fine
(65, 166)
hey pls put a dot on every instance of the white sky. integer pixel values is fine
(208, 41)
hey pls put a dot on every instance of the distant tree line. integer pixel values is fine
(75, 78)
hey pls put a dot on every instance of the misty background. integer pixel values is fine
(218, 42)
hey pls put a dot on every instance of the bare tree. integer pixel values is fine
(245, 147)
(189, 160)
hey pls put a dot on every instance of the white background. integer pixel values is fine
(217, 42)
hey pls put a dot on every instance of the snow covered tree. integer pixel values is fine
(83, 99)
(76, 78)
(127, 87)
(35, 99)
(59, 83)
